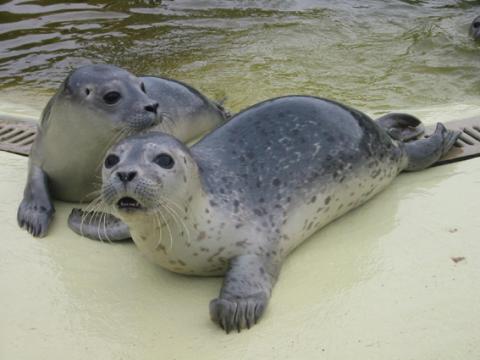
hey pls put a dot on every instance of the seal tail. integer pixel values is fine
(401, 126)
(425, 152)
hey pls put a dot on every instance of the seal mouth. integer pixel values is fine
(129, 204)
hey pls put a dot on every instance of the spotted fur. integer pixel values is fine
(239, 201)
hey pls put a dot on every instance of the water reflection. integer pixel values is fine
(376, 55)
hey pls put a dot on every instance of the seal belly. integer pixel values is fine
(307, 215)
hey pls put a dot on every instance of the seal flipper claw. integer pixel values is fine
(98, 226)
(245, 293)
(36, 210)
(402, 127)
(425, 152)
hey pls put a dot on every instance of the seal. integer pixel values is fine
(474, 29)
(241, 199)
(96, 106)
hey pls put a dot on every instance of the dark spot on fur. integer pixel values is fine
(258, 212)
(242, 243)
(327, 200)
(276, 182)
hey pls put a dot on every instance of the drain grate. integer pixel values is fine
(17, 134)
(468, 143)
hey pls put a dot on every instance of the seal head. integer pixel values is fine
(475, 29)
(137, 171)
(117, 94)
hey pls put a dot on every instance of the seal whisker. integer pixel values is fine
(105, 227)
(168, 229)
(174, 217)
(167, 126)
(160, 232)
(89, 211)
(94, 194)
(168, 205)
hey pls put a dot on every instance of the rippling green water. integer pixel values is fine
(375, 55)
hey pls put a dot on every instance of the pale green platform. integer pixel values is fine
(377, 284)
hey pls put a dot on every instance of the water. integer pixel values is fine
(375, 55)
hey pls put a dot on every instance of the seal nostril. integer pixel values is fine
(126, 176)
(152, 108)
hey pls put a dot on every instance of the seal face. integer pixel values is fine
(109, 92)
(96, 106)
(239, 201)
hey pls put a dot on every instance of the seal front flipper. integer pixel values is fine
(98, 226)
(425, 152)
(402, 127)
(36, 209)
(245, 292)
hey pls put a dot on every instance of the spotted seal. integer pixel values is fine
(94, 107)
(240, 200)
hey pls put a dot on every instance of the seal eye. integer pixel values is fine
(112, 97)
(111, 161)
(164, 160)
(142, 87)
(476, 25)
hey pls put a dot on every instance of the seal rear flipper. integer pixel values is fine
(36, 209)
(425, 152)
(401, 127)
(98, 226)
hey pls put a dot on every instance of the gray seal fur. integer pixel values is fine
(240, 200)
(86, 116)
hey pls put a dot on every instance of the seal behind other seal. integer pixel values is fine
(96, 106)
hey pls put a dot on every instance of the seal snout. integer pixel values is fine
(126, 176)
(152, 107)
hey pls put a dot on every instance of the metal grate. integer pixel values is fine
(467, 145)
(17, 134)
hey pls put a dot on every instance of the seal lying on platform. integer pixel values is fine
(96, 106)
(240, 200)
